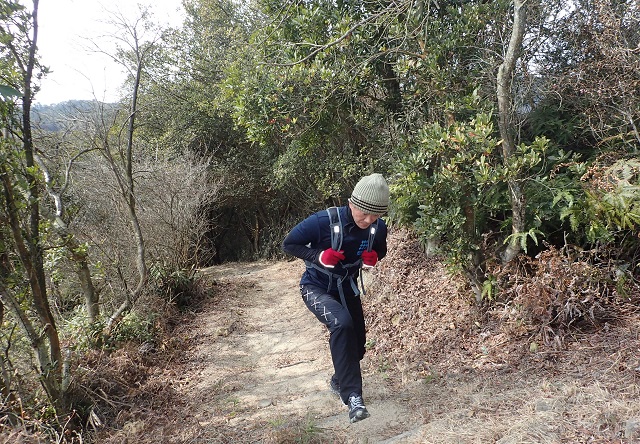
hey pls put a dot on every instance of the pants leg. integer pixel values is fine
(354, 304)
(346, 335)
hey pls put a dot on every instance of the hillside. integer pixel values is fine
(64, 115)
(251, 366)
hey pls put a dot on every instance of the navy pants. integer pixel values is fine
(347, 335)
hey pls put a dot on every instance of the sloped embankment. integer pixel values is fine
(473, 374)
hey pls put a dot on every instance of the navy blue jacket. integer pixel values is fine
(312, 236)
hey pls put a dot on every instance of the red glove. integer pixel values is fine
(369, 258)
(329, 258)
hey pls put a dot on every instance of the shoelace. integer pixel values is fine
(356, 402)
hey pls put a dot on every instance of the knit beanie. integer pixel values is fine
(371, 195)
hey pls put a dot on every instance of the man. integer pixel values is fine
(329, 286)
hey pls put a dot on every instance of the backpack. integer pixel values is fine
(335, 224)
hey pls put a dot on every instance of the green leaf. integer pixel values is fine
(8, 91)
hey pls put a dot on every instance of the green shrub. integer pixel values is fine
(78, 332)
(453, 186)
(180, 287)
(134, 328)
(608, 203)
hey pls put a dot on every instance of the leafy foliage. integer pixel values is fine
(135, 328)
(179, 287)
(603, 207)
(453, 187)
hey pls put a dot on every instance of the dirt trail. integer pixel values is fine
(267, 364)
(259, 364)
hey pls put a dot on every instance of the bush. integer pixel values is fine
(564, 290)
(609, 206)
(453, 187)
(180, 287)
(133, 328)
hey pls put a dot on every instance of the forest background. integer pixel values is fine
(507, 131)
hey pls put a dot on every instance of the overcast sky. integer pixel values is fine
(65, 26)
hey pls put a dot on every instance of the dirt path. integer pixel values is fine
(259, 364)
(264, 367)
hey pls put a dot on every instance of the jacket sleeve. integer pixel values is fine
(299, 240)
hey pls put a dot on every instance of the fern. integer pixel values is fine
(522, 237)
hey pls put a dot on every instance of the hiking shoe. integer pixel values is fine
(334, 386)
(357, 410)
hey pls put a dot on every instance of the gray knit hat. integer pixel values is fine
(371, 195)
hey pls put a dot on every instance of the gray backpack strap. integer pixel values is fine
(335, 224)
(372, 235)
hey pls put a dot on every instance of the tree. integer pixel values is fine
(507, 127)
(136, 42)
(21, 202)
(77, 252)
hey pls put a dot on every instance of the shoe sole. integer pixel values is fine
(359, 416)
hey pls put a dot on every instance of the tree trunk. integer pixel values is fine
(8, 396)
(506, 124)
(49, 358)
(91, 298)
(77, 254)
(389, 79)
(127, 189)
(32, 250)
(23, 219)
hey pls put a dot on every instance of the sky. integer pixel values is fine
(66, 27)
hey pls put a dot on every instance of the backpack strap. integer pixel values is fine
(335, 224)
(372, 235)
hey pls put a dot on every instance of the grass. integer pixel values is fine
(304, 431)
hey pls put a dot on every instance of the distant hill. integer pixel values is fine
(56, 117)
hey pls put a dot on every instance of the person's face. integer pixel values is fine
(362, 219)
